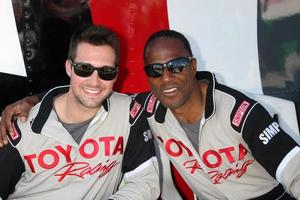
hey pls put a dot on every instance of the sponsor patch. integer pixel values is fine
(240, 113)
(269, 132)
(135, 109)
(15, 134)
(151, 103)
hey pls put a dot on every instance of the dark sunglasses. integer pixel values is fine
(175, 66)
(85, 70)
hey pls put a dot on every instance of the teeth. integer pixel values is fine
(170, 90)
(91, 91)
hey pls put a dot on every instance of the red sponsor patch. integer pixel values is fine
(151, 103)
(135, 109)
(240, 113)
(14, 135)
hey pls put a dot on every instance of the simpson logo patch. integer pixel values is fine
(151, 103)
(269, 132)
(135, 109)
(240, 113)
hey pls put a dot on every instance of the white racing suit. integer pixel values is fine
(243, 153)
(114, 160)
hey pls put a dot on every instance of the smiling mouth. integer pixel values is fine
(170, 92)
(91, 91)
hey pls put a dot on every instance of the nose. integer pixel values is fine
(94, 78)
(167, 75)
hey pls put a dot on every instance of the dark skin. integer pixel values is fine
(18, 109)
(181, 92)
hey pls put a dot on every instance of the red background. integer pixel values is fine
(139, 19)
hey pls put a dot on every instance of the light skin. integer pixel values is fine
(86, 94)
(180, 92)
(84, 98)
(81, 102)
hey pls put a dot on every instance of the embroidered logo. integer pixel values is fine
(84, 169)
(269, 132)
(135, 109)
(240, 113)
(220, 164)
(151, 103)
(14, 135)
(60, 159)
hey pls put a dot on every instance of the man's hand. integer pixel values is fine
(19, 109)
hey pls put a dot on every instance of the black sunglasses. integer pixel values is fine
(85, 70)
(175, 66)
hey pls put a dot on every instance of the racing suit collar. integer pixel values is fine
(47, 106)
(210, 94)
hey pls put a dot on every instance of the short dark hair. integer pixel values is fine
(96, 35)
(168, 34)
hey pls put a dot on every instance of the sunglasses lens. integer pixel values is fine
(86, 70)
(83, 70)
(174, 66)
(107, 73)
(177, 65)
(154, 70)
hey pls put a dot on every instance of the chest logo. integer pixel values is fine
(62, 161)
(240, 113)
(220, 164)
(135, 109)
(151, 104)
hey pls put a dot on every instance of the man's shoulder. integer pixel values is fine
(234, 105)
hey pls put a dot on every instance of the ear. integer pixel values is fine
(68, 67)
(194, 65)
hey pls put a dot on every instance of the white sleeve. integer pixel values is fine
(141, 183)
